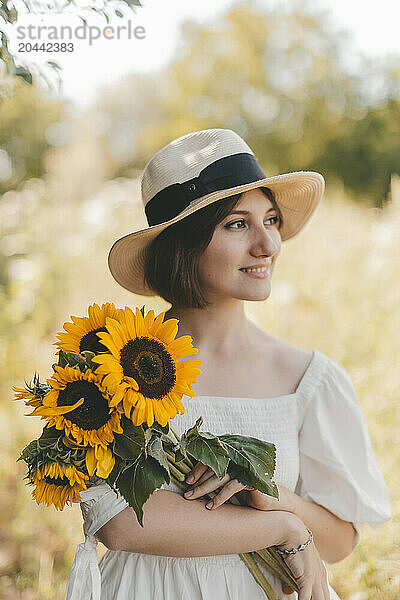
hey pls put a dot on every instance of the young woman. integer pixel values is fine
(216, 225)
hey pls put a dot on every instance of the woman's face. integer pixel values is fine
(247, 237)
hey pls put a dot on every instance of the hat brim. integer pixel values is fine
(297, 195)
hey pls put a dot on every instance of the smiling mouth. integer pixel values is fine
(255, 269)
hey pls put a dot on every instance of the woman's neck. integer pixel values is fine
(216, 330)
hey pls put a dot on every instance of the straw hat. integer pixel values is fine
(192, 172)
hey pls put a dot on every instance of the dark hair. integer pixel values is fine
(171, 260)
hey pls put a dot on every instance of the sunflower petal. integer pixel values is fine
(45, 411)
(91, 461)
(168, 330)
(105, 464)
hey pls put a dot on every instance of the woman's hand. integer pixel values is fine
(205, 481)
(306, 566)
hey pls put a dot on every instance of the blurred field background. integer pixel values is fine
(69, 187)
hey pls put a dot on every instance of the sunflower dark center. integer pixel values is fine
(91, 342)
(149, 363)
(62, 481)
(93, 413)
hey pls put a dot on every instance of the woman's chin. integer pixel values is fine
(256, 295)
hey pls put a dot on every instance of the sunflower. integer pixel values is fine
(28, 397)
(81, 333)
(57, 484)
(143, 370)
(79, 404)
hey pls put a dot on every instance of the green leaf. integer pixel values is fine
(131, 443)
(49, 438)
(156, 450)
(49, 447)
(156, 439)
(72, 360)
(55, 65)
(30, 452)
(23, 72)
(118, 468)
(88, 359)
(62, 359)
(252, 462)
(139, 481)
(132, 3)
(163, 432)
(158, 427)
(206, 448)
(76, 361)
(36, 387)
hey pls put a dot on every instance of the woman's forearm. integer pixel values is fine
(333, 537)
(175, 527)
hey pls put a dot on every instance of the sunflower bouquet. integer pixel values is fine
(108, 407)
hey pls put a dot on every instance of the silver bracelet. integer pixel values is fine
(301, 547)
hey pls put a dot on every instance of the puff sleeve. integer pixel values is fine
(338, 466)
(99, 504)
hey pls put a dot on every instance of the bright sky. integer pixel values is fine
(373, 27)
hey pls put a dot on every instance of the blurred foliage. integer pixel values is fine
(9, 10)
(367, 153)
(26, 117)
(285, 82)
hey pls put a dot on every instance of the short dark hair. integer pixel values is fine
(171, 260)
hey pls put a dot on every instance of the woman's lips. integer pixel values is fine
(258, 274)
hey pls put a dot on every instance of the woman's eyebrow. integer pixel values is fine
(246, 212)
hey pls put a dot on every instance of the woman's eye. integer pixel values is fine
(229, 225)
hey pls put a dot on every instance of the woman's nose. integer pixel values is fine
(266, 241)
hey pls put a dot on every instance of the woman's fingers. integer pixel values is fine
(305, 592)
(310, 574)
(227, 492)
(286, 589)
(206, 475)
(318, 593)
(230, 487)
(196, 472)
(207, 486)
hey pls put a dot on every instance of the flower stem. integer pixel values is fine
(176, 473)
(177, 440)
(258, 575)
(269, 558)
(181, 465)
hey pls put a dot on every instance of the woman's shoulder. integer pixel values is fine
(294, 358)
(291, 362)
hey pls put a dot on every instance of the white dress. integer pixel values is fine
(324, 454)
